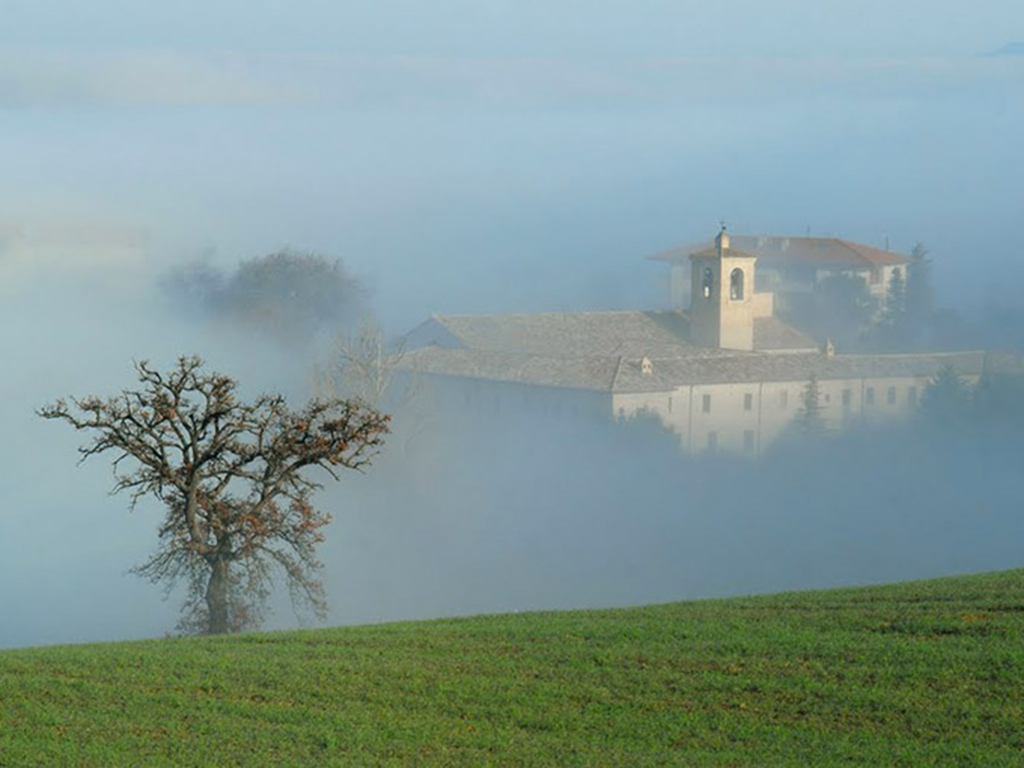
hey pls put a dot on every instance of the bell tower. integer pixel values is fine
(722, 296)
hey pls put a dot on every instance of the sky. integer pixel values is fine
(458, 157)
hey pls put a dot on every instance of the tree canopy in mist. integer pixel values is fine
(287, 295)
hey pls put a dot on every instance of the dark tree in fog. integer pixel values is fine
(809, 420)
(287, 295)
(946, 401)
(920, 295)
(236, 479)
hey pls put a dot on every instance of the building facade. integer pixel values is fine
(727, 375)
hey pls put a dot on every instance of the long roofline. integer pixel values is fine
(860, 254)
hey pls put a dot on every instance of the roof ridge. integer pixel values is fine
(542, 314)
(615, 376)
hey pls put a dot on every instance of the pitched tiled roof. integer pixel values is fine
(771, 334)
(589, 334)
(576, 334)
(593, 373)
(625, 375)
(782, 251)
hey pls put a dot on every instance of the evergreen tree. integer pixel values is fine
(890, 333)
(920, 298)
(946, 401)
(809, 420)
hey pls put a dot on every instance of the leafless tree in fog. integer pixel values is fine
(234, 478)
(362, 364)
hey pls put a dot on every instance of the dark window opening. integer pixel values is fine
(748, 402)
(890, 396)
(709, 282)
(706, 404)
(736, 284)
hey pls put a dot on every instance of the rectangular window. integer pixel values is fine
(912, 397)
(869, 396)
(712, 441)
(706, 404)
(670, 404)
(846, 399)
(784, 398)
(748, 402)
(890, 396)
(748, 440)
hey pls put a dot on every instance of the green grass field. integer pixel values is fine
(909, 674)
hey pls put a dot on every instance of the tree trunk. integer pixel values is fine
(217, 597)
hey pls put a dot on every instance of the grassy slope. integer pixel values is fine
(917, 673)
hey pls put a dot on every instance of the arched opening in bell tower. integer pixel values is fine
(736, 284)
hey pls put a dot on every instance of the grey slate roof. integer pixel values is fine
(621, 374)
(588, 334)
(603, 351)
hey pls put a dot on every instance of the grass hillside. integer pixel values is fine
(909, 674)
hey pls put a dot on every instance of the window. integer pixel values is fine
(712, 441)
(912, 397)
(670, 403)
(748, 440)
(709, 282)
(706, 404)
(890, 396)
(869, 396)
(748, 402)
(784, 399)
(736, 284)
(846, 399)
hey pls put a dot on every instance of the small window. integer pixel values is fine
(706, 404)
(712, 441)
(670, 404)
(748, 440)
(890, 396)
(784, 399)
(709, 282)
(869, 396)
(912, 397)
(748, 402)
(736, 284)
(846, 399)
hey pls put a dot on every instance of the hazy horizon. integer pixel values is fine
(462, 157)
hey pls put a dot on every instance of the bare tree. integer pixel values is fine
(234, 478)
(362, 364)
